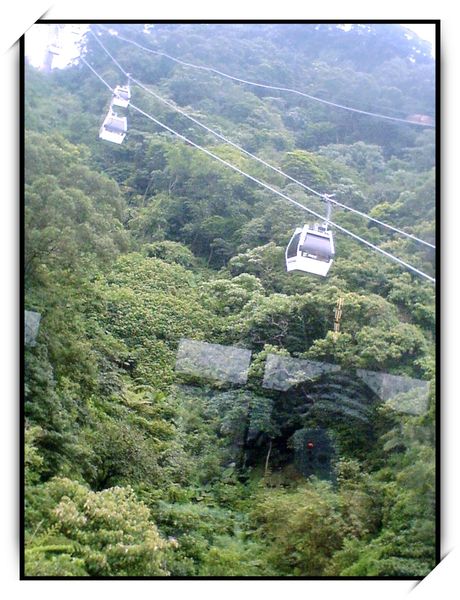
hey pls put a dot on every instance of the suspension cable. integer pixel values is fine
(267, 186)
(325, 197)
(272, 87)
(282, 195)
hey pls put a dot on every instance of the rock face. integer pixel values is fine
(213, 361)
(31, 326)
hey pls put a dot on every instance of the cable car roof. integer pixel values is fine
(121, 96)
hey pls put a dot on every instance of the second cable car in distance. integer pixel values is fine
(121, 96)
(311, 249)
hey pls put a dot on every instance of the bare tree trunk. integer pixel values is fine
(268, 458)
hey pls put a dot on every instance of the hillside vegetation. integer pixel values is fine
(134, 469)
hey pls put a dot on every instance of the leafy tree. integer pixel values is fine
(405, 542)
(85, 533)
(304, 527)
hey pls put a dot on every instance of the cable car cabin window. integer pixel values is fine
(318, 246)
(116, 127)
(292, 248)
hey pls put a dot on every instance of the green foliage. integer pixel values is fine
(231, 557)
(306, 167)
(150, 305)
(171, 252)
(406, 488)
(304, 527)
(33, 461)
(80, 532)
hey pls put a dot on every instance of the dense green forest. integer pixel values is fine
(132, 468)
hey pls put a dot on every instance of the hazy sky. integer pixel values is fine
(426, 32)
(37, 39)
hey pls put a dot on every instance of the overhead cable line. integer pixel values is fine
(265, 185)
(325, 197)
(282, 195)
(273, 87)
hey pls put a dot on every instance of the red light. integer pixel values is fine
(310, 445)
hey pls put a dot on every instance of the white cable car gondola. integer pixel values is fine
(121, 96)
(113, 128)
(311, 249)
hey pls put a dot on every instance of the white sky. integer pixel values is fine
(426, 32)
(37, 39)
